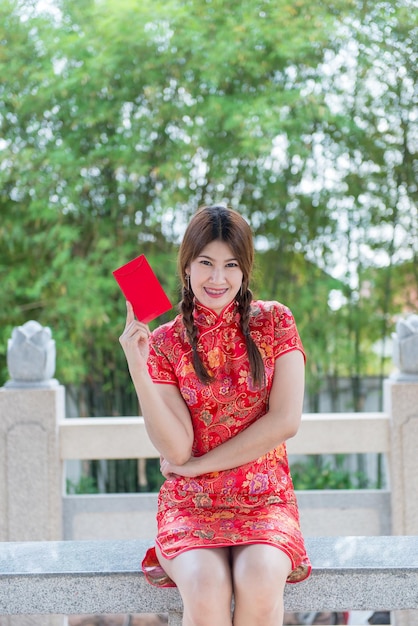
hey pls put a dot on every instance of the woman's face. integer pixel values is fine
(215, 276)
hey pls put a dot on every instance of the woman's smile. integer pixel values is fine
(215, 293)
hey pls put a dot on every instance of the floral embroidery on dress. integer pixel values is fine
(254, 503)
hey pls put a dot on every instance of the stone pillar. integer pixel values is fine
(401, 403)
(30, 467)
(31, 405)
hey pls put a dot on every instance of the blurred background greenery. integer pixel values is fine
(118, 118)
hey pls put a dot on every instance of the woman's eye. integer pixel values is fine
(232, 264)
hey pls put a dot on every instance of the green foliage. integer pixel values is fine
(118, 118)
(121, 477)
(154, 477)
(86, 485)
(317, 472)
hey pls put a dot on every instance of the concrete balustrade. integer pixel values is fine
(36, 439)
(320, 433)
(99, 577)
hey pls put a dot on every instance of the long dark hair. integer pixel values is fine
(212, 223)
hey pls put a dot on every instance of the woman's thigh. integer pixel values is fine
(259, 574)
(203, 577)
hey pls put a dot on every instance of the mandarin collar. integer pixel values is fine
(205, 317)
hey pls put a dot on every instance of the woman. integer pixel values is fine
(221, 390)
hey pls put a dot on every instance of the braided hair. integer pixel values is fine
(212, 223)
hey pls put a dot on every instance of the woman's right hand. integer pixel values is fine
(135, 341)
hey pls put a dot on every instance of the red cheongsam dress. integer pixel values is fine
(253, 503)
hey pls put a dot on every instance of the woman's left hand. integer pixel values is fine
(188, 470)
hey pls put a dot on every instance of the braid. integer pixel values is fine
(221, 224)
(186, 308)
(254, 355)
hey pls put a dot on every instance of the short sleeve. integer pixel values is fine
(286, 335)
(160, 367)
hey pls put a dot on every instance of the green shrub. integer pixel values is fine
(318, 472)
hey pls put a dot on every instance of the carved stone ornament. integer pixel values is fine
(31, 357)
(405, 349)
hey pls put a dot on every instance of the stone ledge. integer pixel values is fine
(102, 577)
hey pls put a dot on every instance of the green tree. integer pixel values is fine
(378, 213)
(113, 116)
(119, 118)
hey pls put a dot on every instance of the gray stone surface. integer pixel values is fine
(401, 403)
(110, 516)
(31, 356)
(30, 467)
(133, 516)
(344, 512)
(76, 577)
(405, 349)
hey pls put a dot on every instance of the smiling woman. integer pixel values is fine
(226, 233)
(221, 390)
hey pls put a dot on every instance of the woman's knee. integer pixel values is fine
(261, 573)
(203, 578)
(207, 596)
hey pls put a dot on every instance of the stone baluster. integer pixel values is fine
(31, 405)
(401, 403)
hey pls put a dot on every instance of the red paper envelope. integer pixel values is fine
(142, 289)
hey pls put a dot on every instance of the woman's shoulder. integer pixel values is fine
(274, 319)
(269, 308)
(271, 314)
(168, 331)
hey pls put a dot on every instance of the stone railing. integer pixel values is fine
(351, 512)
(102, 577)
(36, 439)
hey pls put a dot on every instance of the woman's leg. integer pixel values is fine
(259, 576)
(203, 577)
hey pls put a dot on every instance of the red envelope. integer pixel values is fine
(142, 289)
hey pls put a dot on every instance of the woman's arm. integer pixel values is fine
(167, 418)
(281, 422)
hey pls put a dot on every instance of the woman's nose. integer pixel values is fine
(217, 275)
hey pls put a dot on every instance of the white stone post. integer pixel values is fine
(401, 403)
(31, 405)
